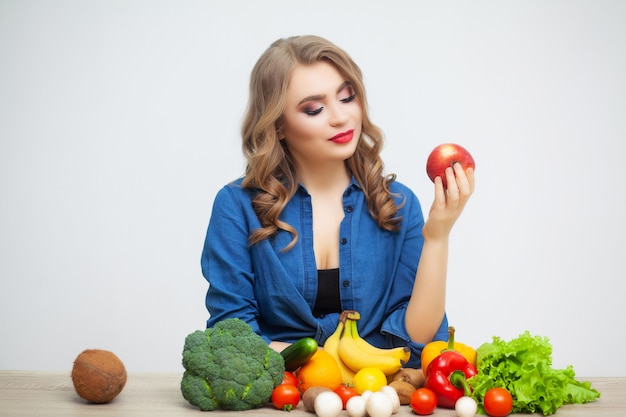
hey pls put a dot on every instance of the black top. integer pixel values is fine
(328, 299)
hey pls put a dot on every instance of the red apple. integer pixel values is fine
(446, 155)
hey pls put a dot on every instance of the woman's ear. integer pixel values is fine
(279, 125)
(279, 132)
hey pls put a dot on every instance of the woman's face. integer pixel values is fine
(323, 117)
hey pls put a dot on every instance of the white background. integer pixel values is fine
(119, 121)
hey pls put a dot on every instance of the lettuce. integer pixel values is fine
(524, 367)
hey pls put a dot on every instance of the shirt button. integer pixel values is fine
(346, 283)
(349, 209)
(344, 240)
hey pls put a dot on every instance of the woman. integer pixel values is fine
(314, 227)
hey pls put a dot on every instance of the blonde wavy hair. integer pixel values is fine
(270, 172)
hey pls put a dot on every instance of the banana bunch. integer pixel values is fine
(354, 353)
(332, 346)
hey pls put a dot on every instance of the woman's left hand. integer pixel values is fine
(449, 204)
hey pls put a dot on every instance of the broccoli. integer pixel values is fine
(229, 367)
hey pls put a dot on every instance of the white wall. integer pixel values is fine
(119, 122)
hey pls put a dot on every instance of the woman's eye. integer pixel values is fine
(348, 99)
(313, 112)
(348, 94)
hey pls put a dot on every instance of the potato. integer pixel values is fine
(413, 376)
(309, 396)
(404, 390)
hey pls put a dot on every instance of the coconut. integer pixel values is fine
(98, 375)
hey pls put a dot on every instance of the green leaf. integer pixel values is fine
(524, 367)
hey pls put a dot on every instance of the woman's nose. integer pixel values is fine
(338, 116)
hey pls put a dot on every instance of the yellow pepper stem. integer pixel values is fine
(450, 338)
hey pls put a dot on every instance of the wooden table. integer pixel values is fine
(31, 394)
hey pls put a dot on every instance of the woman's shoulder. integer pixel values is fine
(233, 186)
(401, 189)
(405, 198)
(236, 183)
(233, 190)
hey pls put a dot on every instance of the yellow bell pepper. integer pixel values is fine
(434, 349)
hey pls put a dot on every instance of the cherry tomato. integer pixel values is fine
(285, 397)
(423, 401)
(498, 402)
(345, 393)
(290, 379)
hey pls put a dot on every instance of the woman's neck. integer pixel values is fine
(331, 177)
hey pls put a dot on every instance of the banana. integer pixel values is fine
(356, 358)
(332, 347)
(403, 353)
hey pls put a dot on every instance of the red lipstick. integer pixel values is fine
(343, 137)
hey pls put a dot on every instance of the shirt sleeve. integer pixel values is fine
(226, 262)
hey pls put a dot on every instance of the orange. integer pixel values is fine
(369, 379)
(322, 370)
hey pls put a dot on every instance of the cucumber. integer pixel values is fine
(298, 353)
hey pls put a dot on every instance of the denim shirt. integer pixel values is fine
(275, 290)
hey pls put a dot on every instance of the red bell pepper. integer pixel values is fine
(447, 376)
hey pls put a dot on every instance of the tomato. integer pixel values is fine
(423, 401)
(345, 393)
(498, 402)
(285, 397)
(290, 379)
